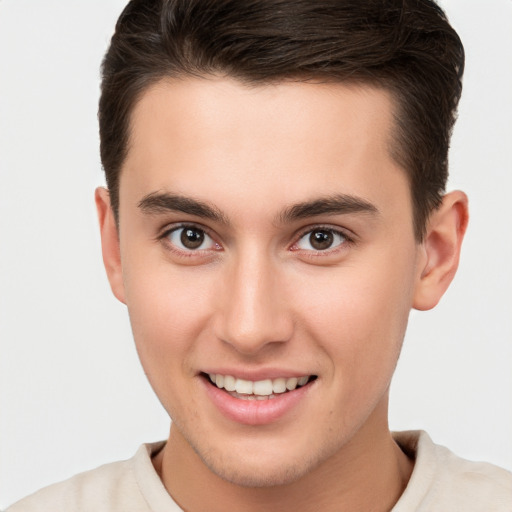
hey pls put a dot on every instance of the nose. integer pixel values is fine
(253, 312)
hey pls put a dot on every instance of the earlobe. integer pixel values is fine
(441, 248)
(110, 242)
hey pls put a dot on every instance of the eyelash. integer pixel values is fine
(348, 240)
(163, 237)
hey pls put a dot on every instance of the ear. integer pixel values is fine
(110, 242)
(441, 250)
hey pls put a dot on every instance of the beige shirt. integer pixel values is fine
(440, 482)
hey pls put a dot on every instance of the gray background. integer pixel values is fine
(72, 393)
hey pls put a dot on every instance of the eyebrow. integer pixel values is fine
(162, 202)
(338, 204)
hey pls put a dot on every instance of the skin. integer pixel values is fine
(257, 297)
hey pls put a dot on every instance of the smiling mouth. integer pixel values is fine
(266, 389)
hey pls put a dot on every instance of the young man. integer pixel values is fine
(275, 208)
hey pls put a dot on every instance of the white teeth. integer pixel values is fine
(229, 383)
(291, 383)
(219, 380)
(244, 387)
(279, 385)
(262, 389)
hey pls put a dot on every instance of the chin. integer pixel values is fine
(262, 468)
(247, 475)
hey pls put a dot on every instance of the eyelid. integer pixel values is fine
(169, 228)
(173, 226)
(350, 238)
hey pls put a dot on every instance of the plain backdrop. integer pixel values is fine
(72, 392)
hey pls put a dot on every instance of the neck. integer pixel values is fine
(370, 472)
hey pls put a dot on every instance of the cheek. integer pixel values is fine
(168, 311)
(359, 317)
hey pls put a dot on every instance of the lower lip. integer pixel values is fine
(256, 412)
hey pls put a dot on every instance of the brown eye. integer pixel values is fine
(321, 239)
(192, 238)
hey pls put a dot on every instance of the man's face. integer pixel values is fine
(266, 235)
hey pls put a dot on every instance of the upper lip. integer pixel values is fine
(257, 374)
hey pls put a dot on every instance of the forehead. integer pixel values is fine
(283, 139)
(205, 109)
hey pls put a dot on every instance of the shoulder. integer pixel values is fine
(477, 485)
(443, 481)
(109, 487)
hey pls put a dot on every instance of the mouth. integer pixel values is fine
(260, 390)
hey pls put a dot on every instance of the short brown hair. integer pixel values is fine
(404, 46)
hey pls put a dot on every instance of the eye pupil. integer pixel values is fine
(321, 239)
(192, 238)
